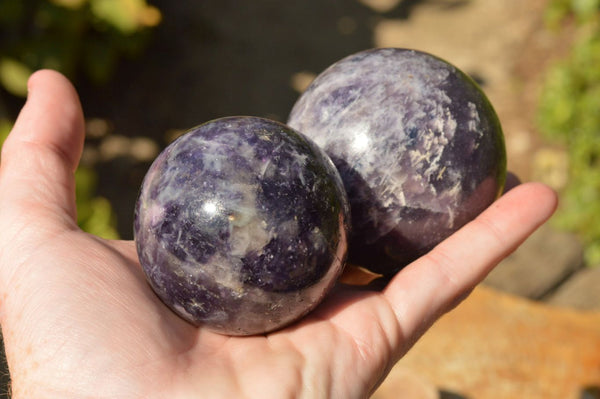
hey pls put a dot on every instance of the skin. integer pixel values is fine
(80, 321)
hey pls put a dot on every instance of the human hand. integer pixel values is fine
(80, 321)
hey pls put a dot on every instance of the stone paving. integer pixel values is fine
(581, 290)
(549, 267)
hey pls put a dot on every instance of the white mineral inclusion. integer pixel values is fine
(210, 208)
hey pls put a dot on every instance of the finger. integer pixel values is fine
(43, 149)
(435, 283)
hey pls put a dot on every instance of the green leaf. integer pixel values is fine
(85, 183)
(14, 75)
(100, 220)
(585, 9)
(94, 213)
(127, 16)
(5, 128)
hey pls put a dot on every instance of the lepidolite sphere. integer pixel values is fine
(241, 225)
(417, 143)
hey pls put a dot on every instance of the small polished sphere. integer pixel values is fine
(417, 143)
(241, 225)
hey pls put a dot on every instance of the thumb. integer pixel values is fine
(42, 151)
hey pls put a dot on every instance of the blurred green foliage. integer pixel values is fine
(73, 37)
(70, 36)
(5, 127)
(569, 114)
(94, 213)
(559, 10)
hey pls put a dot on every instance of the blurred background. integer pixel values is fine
(146, 71)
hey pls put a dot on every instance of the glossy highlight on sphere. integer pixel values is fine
(241, 225)
(417, 143)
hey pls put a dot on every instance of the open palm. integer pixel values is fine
(79, 319)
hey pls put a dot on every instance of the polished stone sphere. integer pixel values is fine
(241, 225)
(417, 143)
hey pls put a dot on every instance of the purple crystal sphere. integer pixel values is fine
(417, 143)
(241, 225)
